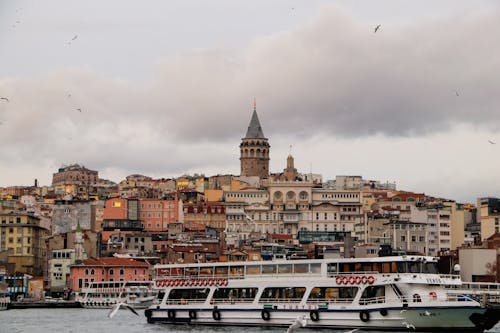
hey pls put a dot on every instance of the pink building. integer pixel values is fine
(107, 269)
(155, 215)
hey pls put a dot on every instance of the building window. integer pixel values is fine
(111, 271)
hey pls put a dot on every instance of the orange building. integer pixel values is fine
(107, 269)
(156, 214)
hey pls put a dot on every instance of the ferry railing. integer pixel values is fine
(231, 300)
(476, 287)
(280, 300)
(335, 274)
(184, 301)
(330, 300)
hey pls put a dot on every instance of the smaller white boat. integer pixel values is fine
(105, 294)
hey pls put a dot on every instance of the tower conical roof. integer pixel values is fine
(254, 129)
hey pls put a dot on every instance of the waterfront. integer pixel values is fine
(91, 320)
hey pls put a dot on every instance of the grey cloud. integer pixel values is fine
(333, 76)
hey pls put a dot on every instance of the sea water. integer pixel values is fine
(96, 321)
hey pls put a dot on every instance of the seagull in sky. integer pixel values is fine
(492, 142)
(72, 39)
(80, 110)
(300, 321)
(376, 28)
(119, 306)
(456, 93)
(5, 99)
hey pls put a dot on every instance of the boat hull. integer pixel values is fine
(423, 319)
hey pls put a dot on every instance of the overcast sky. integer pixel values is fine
(166, 88)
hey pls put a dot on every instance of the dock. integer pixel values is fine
(44, 304)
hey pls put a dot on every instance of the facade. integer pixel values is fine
(254, 150)
(25, 238)
(67, 214)
(476, 264)
(107, 269)
(488, 210)
(155, 215)
(75, 180)
(59, 269)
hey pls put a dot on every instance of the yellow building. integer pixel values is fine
(24, 240)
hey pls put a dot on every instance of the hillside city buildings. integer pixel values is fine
(83, 228)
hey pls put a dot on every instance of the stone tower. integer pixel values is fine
(254, 149)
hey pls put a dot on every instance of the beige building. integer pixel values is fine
(22, 236)
(488, 210)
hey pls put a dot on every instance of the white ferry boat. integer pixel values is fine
(386, 293)
(104, 294)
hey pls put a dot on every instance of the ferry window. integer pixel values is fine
(240, 294)
(268, 269)
(430, 267)
(346, 267)
(301, 268)
(402, 267)
(191, 271)
(386, 268)
(186, 295)
(376, 267)
(332, 268)
(253, 269)
(373, 294)
(393, 267)
(357, 267)
(315, 268)
(206, 271)
(283, 293)
(221, 270)
(366, 267)
(333, 294)
(236, 270)
(414, 267)
(285, 269)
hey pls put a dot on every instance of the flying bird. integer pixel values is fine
(72, 39)
(408, 325)
(119, 306)
(492, 142)
(69, 95)
(5, 99)
(427, 313)
(376, 28)
(80, 110)
(300, 321)
(456, 93)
